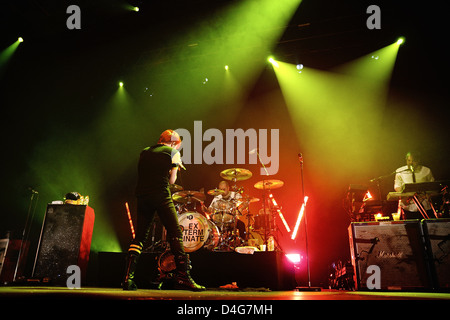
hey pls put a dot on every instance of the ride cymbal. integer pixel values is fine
(236, 174)
(269, 184)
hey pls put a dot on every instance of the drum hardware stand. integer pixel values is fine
(273, 228)
(228, 238)
(308, 288)
(276, 232)
(264, 198)
(158, 246)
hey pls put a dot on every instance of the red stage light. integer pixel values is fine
(279, 213)
(294, 257)
(299, 218)
(129, 219)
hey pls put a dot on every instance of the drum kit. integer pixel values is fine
(227, 223)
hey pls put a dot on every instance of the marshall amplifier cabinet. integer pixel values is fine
(390, 254)
(65, 240)
(437, 238)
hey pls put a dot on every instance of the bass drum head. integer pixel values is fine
(213, 238)
(197, 231)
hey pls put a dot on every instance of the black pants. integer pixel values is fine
(162, 204)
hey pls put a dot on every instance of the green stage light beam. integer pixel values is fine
(7, 53)
(60, 167)
(89, 162)
(129, 123)
(375, 67)
(334, 114)
(238, 36)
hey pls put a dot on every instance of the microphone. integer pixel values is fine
(181, 165)
(411, 168)
(32, 190)
(300, 157)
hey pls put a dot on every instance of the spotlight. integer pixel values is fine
(226, 68)
(20, 39)
(121, 84)
(293, 257)
(400, 41)
(136, 9)
(273, 62)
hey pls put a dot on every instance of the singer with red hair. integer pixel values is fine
(157, 169)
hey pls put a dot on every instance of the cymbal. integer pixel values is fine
(251, 199)
(215, 192)
(236, 174)
(269, 184)
(175, 187)
(186, 196)
(244, 202)
(223, 205)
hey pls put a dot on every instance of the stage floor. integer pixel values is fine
(88, 293)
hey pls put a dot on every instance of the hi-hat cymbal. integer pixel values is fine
(250, 199)
(269, 184)
(215, 192)
(236, 174)
(187, 196)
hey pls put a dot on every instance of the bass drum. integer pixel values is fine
(198, 232)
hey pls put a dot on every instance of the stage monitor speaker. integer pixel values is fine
(65, 240)
(437, 236)
(396, 249)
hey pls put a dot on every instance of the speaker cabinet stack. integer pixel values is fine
(65, 240)
(437, 240)
(409, 255)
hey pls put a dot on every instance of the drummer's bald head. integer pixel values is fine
(224, 184)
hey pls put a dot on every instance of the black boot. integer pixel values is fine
(133, 256)
(183, 279)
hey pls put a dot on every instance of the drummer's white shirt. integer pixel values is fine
(233, 196)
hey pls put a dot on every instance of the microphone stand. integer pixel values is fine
(264, 200)
(26, 230)
(308, 288)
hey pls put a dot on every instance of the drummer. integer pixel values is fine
(230, 197)
(227, 195)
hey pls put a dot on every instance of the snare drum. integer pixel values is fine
(198, 232)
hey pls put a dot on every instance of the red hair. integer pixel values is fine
(169, 136)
